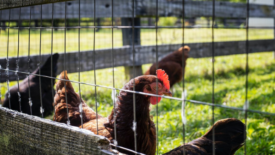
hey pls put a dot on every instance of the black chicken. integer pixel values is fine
(31, 84)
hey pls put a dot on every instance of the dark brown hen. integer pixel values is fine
(172, 65)
(30, 87)
(145, 128)
(230, 135)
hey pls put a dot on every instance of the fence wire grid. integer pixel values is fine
(103, 44)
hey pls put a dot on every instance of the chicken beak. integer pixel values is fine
(168, 93)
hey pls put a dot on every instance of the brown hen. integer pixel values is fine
(145, 128)
(172, 65)
(230, 135)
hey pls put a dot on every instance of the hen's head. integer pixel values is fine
(157, 85)
(185, 50)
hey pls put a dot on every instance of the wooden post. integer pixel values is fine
(3, 25)
(36, 24)
(35, 133)
(131, 71)
(19, 24)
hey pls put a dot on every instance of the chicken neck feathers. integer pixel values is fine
(145, 128)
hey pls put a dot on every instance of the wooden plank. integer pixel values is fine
(7, 4)
(122, 8)
(25, 134)
(143, 8)
(203, 8)
(144, 55)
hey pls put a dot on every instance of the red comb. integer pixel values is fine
(164, 78)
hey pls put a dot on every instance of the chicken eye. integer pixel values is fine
(159, 86)
(148, 88)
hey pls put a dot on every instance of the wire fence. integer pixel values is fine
(74, 26)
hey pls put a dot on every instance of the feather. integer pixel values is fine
(30, 102)
(230, 135)
(121, 118)
(173, 64)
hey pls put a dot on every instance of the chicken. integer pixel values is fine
(229, 133)
(172, 65)
(145, 128)
(30, 87)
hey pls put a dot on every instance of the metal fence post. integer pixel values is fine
(131, 71)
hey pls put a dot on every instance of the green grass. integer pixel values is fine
(229, 83)
(229, 90)
(104, 38)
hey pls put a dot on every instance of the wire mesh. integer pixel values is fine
(124, 35)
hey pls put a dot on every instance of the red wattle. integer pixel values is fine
(154, 100)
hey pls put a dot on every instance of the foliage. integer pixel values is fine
(167, 21)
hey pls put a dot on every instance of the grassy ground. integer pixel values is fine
(104, 38)
(229, 90)
(229, 85)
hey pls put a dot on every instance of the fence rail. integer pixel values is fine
(143, 8)
(144, 55)
(25, 134)
(7, 4)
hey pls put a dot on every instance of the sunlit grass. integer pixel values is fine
(104, 39)
(229, 85)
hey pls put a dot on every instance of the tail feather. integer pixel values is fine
(51, 61)
(35, 85)
(67, 98)
(50, 66)
(147, 72)
(185, 50)
(231, 132)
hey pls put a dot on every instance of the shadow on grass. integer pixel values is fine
(240, 70)
(262, 100)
